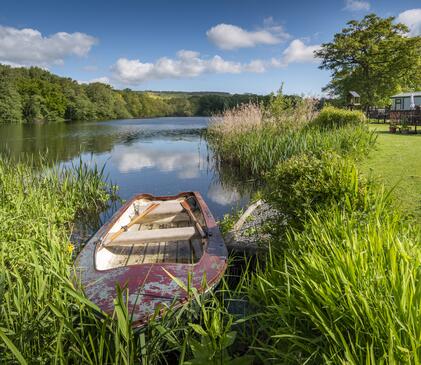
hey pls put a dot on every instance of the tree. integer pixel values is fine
(134, 106)
(211, 104)
(120, 106)
(80, 107)
(102, 96)
(34, 109)
(10, 102)
(374, 57)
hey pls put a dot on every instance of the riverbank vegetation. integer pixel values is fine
(44, 316)
(35, 95)
(339, 284)
(255, 141)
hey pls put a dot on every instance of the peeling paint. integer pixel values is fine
(149, 285)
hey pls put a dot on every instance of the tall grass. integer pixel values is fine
(344, 290)
(258, 145)
(340, 284)
(37, 208)
(45, 319)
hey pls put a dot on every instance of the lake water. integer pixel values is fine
(161, 156)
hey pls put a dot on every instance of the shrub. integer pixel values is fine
(331, 117)
(307, 182)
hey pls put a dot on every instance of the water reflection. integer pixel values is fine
(160, 156)
(164, 155)
(223, 195)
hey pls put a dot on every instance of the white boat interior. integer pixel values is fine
(153, 231)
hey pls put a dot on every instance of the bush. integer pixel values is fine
(308, 182)
(331, 117)
(256, 142)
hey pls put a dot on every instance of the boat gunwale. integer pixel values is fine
(214, 242)
(209, 222)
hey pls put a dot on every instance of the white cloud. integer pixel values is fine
(297, 52)
(186, 64)
(228, 36)
(257, 66)
(29, 47)
(412, 19)
(191, 64)
(356, 5)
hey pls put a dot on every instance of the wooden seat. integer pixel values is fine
(155, 235)
(170, 218)
(164, 208)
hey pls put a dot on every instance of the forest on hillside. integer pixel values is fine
(29, 95)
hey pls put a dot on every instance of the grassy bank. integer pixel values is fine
(45, 319)
(340, 284)
(255, 142)
(38, 302)
(395, 162)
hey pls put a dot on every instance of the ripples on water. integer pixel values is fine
(160, 156)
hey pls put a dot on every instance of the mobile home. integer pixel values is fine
(403, 101)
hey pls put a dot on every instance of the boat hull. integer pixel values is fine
(150, 286)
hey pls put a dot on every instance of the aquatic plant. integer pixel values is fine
(44, 315)
(342, 290)
(256, 148)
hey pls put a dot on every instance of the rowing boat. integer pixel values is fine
(147, 243)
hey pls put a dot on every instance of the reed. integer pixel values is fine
(46, 319)
(344, 290)
(256, 145)
(341, 286)
(340, 282)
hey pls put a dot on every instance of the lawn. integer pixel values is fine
(396, 161)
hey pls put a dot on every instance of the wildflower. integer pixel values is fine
(70, 248)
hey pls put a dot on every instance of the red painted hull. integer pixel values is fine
(149, 285)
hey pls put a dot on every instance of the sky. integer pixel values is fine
(234, 46)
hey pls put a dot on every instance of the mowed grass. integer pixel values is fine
(396, 162)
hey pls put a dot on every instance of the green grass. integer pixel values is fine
(396, 162)
(340, 284)
(46, 319)
(258, 150)
(341, 287)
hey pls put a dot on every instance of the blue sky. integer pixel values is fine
(234, 46)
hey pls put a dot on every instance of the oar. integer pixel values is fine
(149, 209)
(186, 206)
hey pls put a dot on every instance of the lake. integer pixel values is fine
(161, 156)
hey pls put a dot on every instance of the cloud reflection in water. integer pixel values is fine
(163, 155)
(223, 195)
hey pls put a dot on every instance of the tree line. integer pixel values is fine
(29, 95)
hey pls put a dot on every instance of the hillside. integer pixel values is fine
(36, 95)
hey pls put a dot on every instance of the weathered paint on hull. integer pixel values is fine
(149, 285)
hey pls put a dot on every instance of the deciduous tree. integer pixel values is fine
(374, 57)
